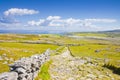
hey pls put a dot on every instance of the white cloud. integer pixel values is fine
(101, 20)
(72, 21)
(19, 11)
(56, 21)
(51, 22)
(34, 23)
(53, 17)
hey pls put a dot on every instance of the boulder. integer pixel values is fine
(20, 70)
(9, 76)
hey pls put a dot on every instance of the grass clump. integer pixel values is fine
(44, 72)
(4, 68)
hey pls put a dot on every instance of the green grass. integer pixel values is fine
(3, 67)
(19, 50)
(18, 37)
(104, 51)
(23, 49)
(44, 72)
(16, 49)
(90, 50)
(90, 34)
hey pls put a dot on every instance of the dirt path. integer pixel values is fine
(66, 67)
(59, 69)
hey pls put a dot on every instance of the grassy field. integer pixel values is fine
(15, 46)
(11, 51)
(90, 34)
(96, 34)
(98, 48)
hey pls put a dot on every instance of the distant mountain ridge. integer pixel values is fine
(116, 30)
(31, 32)
(50, 31)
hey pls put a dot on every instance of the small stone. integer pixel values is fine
(1, 58)
(97, 51)
(100, 76)
(4, 54)
(71, 78)
(6, 58)
(112, 79)
(88, 79)
(91, 76)
(11, 59)
(83, 78)
(5, 62)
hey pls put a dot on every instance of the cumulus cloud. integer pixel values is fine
(53, 17)
(36, 23)
(101, 20)
(57, 21)
(19, 11)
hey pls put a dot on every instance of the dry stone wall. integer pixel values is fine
(26, 68)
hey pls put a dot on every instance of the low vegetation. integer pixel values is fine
(11, 51)
(94, 45)
(44, 72)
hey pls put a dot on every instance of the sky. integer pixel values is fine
(60, 15)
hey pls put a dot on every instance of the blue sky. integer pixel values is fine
(65, 15)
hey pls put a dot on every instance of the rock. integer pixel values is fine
(9, 76)
(6, 58)
(22, 76)
(89, 79)
(101, 76)
(11, 59)
(4, 54)
(82, 61)
(97, 51)
(112, 79)
(30, 76)
(83, 78)
(1, 58)
(5, 62)
(80, 68)
(71, 78)
(91, 76)
(89, 59)
(90, 64)
(88, 70)
(20, 70)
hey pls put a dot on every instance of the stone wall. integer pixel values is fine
(26, 68)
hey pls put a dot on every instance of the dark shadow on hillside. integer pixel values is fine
(115, 69)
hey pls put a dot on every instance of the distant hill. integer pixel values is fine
(32, 32)
(111, 33)
(115, 31)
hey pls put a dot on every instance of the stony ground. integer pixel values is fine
(66, 67)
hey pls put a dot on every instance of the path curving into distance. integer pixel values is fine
(67, 67)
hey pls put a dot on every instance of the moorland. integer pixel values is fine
(102, 49)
